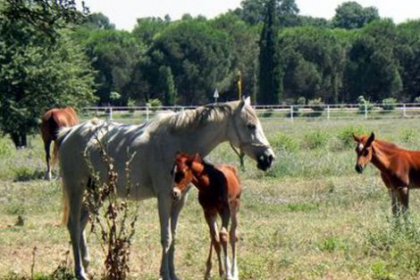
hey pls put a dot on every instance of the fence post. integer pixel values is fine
(147, 112)
(328, 112)
(110, 113)
(366, 110)
(291, 112)
(404, 111)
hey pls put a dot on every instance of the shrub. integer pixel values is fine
(364, 104)
(345, 136)
(316, 140)
(388, 104)
(154, 104)
(6, 148)
(284, 142)
(317, 107)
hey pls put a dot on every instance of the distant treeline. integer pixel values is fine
(52, 54)
(182, 62)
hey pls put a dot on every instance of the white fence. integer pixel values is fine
(290, 112)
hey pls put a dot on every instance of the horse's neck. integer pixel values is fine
(201, 176)
(204, 140)
(381, 155)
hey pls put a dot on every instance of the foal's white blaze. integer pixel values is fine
(360, 147)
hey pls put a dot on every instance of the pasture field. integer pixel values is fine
(310, 217)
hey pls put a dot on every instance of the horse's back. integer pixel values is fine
(232, 178)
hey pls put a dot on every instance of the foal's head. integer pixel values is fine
(363, 151)
(183, 172)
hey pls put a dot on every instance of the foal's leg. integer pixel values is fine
(403, 196)
(224, 238)
(211, 219)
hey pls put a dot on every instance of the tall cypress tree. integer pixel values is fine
(270, 78)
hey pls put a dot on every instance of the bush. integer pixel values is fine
(316, 140)
(283, 142)
(364, 105)
(317, 107)
(345, 136)
(388, 104)
(154, 104)
(6, 148)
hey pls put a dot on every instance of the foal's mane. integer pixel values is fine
(386, 145)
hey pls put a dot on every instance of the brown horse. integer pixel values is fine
(219, 192)
(400, 168)
(52, 121)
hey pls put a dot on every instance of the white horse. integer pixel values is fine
(151, 149)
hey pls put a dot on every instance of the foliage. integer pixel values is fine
(388, 104)
(116, 225)
(284, 142)
(115, 56)
(345, 136)
(317, 107)
(198, 57)
(316, 140)
(39, 71)
(270, 82)
(364, 105)
(154, 104)
(350, 15)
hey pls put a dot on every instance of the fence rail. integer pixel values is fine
(287, 112)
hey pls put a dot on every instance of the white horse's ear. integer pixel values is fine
(247, 101)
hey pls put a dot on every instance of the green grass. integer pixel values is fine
(310, 217)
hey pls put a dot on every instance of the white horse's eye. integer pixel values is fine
(251, 126)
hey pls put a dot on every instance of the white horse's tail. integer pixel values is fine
(66, 208)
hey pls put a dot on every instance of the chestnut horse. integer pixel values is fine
(52, 121)
(400, 168)
(219, 192)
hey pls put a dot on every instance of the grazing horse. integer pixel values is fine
(52, 121)
(219, 192)
(400, 168)
(141, 154)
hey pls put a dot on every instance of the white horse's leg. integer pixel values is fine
(164, 205)
(76, 234)
(175, 211)
(83, 245)
(233, 239)
(215, 241)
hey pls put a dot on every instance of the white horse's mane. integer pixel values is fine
(191, 119)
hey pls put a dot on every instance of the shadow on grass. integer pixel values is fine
(25, 174)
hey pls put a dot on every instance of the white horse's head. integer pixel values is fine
(246, 133)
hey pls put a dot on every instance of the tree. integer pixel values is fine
(350, 15)
(198, 57)
(244, 53)
(373, 69)
(270, 82)
(41, 65)
(147, 28)
(98, 21)
(314, 61)
(115, 55)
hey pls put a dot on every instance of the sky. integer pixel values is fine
(123, 13)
